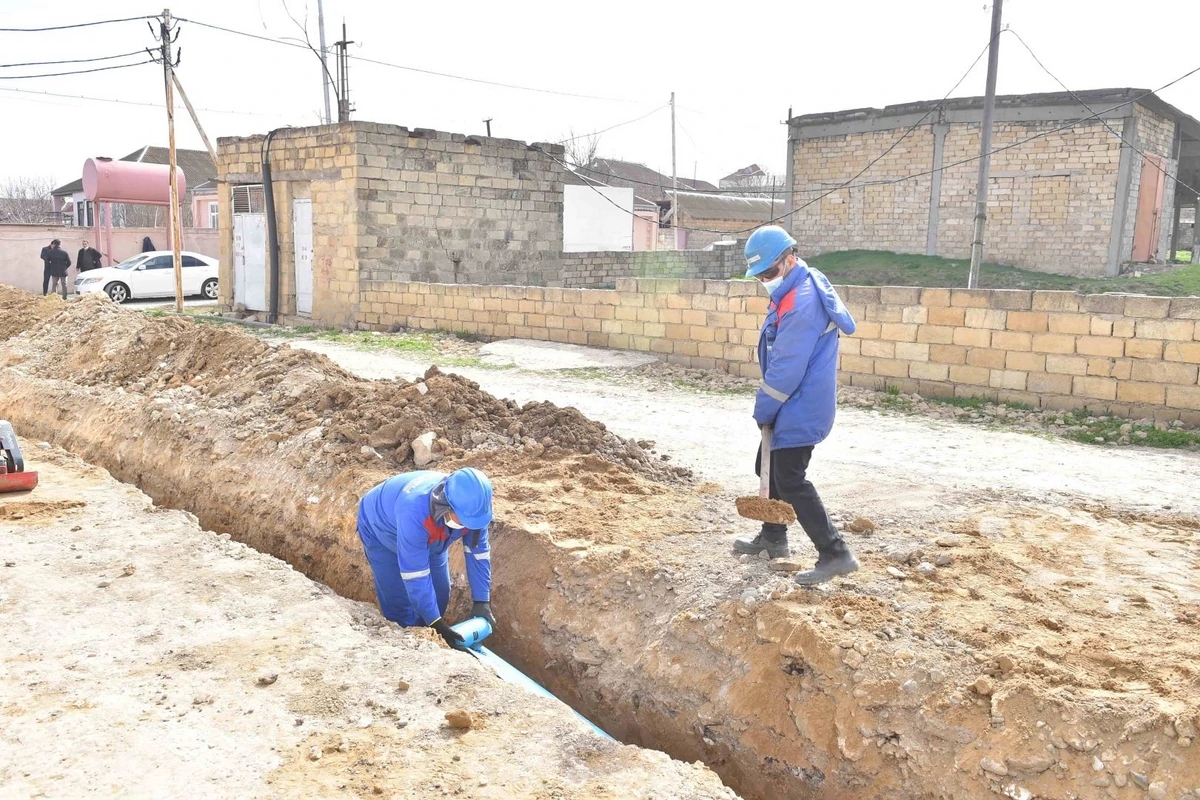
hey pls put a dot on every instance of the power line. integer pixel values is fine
(72, 72)
(1110, 128)
(131, 102)
(613, 127)
(420, 70)
(72, 61)
(79, 25)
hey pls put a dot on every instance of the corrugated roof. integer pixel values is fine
(197, 165)
(745, 172)
(727, 206)
(648, 183)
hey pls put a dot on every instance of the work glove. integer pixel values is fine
(482, 608)
(452, 637)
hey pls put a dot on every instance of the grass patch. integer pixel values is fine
(881, 268)
(590, 373)
(472, 361)
(724, 391)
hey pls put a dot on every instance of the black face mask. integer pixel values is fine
(439, 506)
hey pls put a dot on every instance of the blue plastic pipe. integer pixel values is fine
(474, 631)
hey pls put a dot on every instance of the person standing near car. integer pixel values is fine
(57, 264)
(87, 258)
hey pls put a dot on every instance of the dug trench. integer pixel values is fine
(612, 587)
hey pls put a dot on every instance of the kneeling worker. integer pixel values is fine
(798, 354)
(407, 524)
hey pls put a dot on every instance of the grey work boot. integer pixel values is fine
(828, 568)
(752, 547)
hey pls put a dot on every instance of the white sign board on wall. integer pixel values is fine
(597, 219)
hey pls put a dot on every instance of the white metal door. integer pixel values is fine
(250, 261)
(302, 231)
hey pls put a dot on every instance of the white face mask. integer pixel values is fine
(452, 524)
(772, 285)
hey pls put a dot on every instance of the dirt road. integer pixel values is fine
(144, 657)
(885, 465)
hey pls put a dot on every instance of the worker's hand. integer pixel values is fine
(452, 637)
(483, 609)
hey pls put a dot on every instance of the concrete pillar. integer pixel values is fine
(1116, 237)
(940, 129)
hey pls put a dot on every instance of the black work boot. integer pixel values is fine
(752, 547)
(839, 561)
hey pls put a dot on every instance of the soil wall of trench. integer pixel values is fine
(778, 693)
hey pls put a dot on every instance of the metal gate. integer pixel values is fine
(303, 235)
(250, 261)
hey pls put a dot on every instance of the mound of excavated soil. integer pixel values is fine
(280, 393)
(22, 311)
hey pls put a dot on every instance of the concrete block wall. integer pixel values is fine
(1136, 356)
(605, 269)
(1051, 199)
(438, 206)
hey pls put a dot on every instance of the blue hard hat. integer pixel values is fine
(764, 247)
(469, 493)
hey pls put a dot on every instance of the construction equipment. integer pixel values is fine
(13, 477)
(762, 508)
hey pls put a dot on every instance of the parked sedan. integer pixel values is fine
(152, 275)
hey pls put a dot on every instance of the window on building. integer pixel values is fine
(212, 215)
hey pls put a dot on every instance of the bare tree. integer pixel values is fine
(27, 200)
(581, 149)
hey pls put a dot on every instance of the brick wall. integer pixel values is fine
(393, 204)
(1050, 206)
(1138, 356)
(605, 269)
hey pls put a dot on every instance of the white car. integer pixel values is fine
(152, 275)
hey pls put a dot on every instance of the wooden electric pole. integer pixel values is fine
(174, 221)
(674, 179)
(985, 149)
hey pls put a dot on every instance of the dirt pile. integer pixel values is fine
(279, 393)
(20, 311)
(1015, 651)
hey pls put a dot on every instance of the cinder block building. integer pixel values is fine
(363, 209)
(1066, 194)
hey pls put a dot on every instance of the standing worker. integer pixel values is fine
(798, 354)
(407, 524)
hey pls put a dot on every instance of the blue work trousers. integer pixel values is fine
(389, 586)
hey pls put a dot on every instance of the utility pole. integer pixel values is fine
(343, 77)
(488, 122)
(188, 104)
(324, 64)
(985, 148)
(674, 178)
(173, 221)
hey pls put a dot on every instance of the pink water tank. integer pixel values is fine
(105, 180)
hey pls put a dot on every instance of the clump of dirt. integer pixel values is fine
(763, 510)
(35, 509)
(23, 311)
(286, 395)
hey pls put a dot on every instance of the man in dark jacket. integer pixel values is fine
(59, 263)
(55, 262)
(88, 258)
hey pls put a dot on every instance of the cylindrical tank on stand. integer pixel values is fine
(130, 182)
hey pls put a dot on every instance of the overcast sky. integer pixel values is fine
(735, 69)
